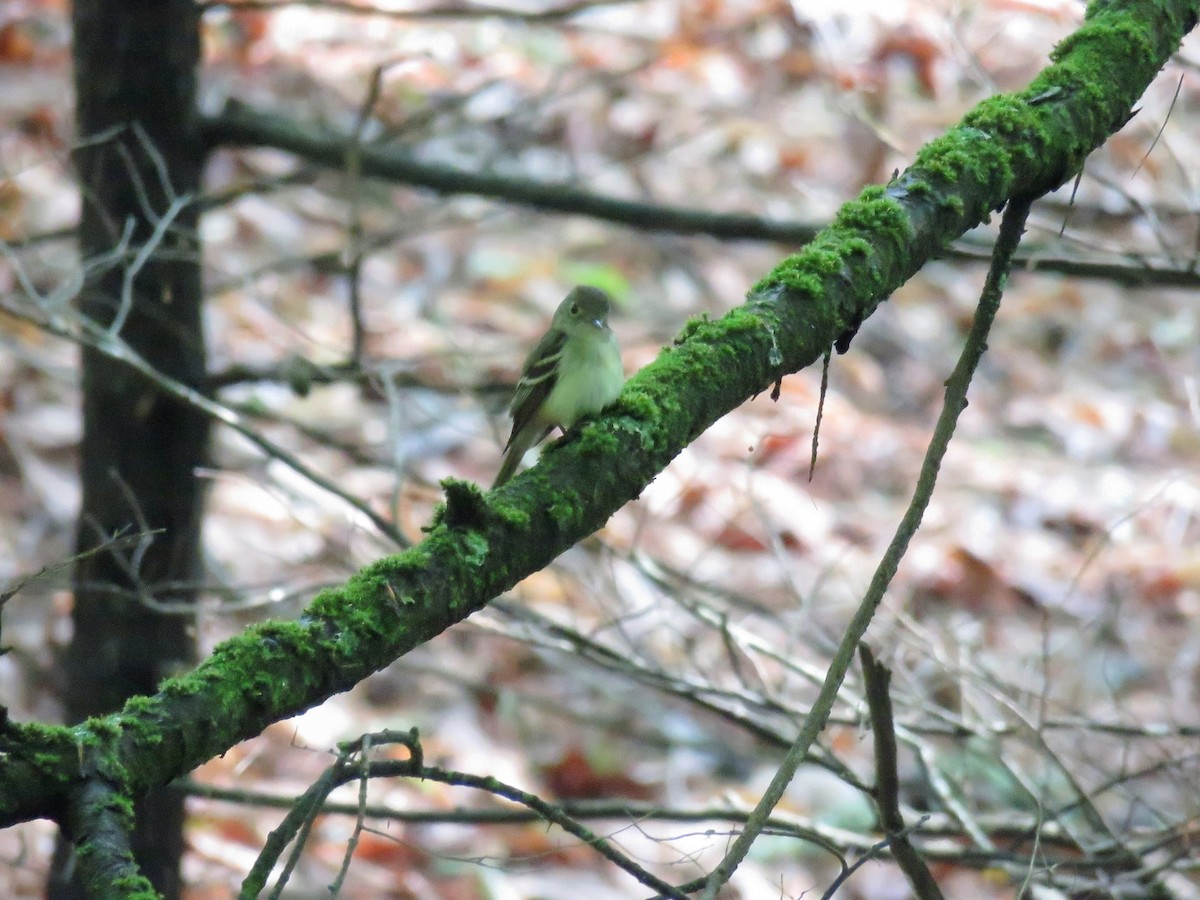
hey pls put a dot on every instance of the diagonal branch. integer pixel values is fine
(955, 402)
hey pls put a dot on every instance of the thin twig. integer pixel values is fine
(876, 850)
(110, 545)
(355, 250)
(1161, 129)
(87, 333)
(311, 802)
(887, 781)
(955, 402)
(838, 842)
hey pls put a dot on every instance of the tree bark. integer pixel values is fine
(135, 79)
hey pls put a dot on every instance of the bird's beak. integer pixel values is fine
(599, 323)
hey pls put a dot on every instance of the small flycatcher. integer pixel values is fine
(574, 371)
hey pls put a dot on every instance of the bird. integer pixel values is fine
(574, 371)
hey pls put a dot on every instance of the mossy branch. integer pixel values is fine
(100, 819)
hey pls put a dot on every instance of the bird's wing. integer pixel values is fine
(538, 378)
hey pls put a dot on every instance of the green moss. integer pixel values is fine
(794, 275)
(119, 804)
(416, 559)
(1127, 33)
(282, 638)
(357, 592)
(601, 440)
(365, 589)
(564, 509)
(465, 506)
(861, 246)
(638, 403)
(140, 718)
(740, 320)
(691, 327)
(643, 413)
(326, 602)
(875, 212)
(355, 621)
(187, 686)
(265, 689)
(475, 548)
(96, 731)
(510, 514)
(37, 733)
(141, 704)
(821, 261)
(699, 332)
(947, 158)
(134, 887)
(919, 187)
(1007, 115)
(411, 562)
(50, 762)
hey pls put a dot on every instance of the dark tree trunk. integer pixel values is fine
(135, 78)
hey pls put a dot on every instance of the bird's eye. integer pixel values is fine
(574, 309)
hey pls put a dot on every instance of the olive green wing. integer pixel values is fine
(538, 378)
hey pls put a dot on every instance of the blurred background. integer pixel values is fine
(1041, 628)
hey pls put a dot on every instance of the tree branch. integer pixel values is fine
(953, 405)
(887, 782)
(444, 11)
(100, 819)
(241, 125)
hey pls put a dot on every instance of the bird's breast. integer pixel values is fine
(590, 377)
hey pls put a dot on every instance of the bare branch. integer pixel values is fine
(443, 11)
(887, 781)
(955, 402)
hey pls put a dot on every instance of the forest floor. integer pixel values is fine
(1042, 627)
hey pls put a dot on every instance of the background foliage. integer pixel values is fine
(1039, 631)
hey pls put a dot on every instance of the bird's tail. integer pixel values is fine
(517, 447)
